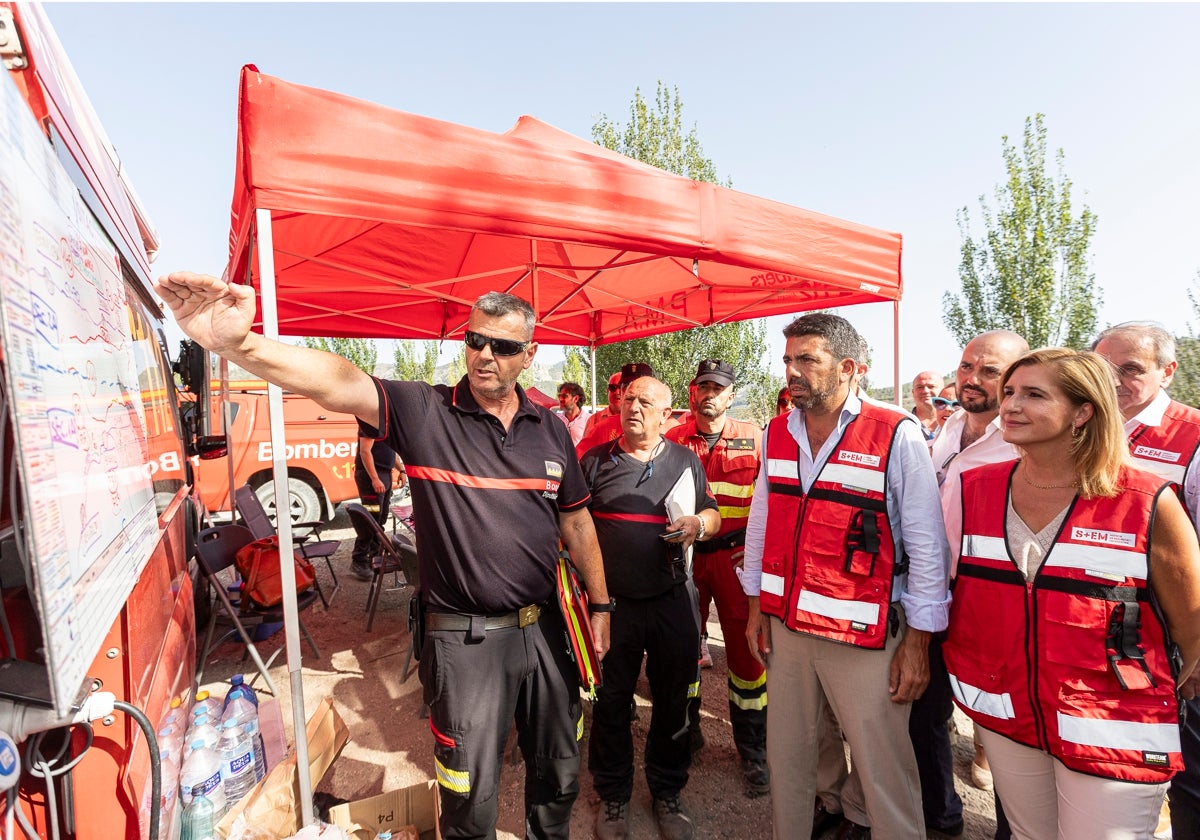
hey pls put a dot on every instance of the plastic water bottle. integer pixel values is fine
(246, 716)
(238, 687)
(210, 704)
(199, 818)
(201, 773)
(237, 762)
(205, 728)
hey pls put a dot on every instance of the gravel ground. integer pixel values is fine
(390, 743)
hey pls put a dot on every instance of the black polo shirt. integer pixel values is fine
(629, 508)
(485, 502)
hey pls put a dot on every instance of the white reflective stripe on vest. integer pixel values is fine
(779, 468)
(851, 476)
(985, 548)
(1094, 558)
(984, 702)
(859, 611)
(771, 584)
(1119, 734)
(1171, 472)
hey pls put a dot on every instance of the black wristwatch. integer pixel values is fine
(607, 607)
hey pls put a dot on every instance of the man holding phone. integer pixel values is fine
(650, 502)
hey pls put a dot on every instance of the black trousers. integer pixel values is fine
(930, 734)
(665, 628)
(475, 690)
(361, 553)
(1185, 787)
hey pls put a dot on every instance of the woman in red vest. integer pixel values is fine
(1076, 610)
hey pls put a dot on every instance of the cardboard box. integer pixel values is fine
(414, 805)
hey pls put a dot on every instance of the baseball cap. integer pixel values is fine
(635, 370)
(714, 370)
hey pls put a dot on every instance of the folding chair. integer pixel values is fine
(309, 543)
(390, 554)
(216, 549)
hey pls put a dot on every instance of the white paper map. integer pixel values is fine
(73, 391)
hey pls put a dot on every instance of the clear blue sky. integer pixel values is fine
(890, 115)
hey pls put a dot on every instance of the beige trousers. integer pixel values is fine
(1044, 800)
(806, 673)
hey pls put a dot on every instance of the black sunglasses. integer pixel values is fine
(500, 346)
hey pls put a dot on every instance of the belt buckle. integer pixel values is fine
(528, 615)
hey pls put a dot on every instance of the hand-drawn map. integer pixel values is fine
(72, 388)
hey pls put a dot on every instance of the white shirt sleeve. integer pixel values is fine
(915, 511)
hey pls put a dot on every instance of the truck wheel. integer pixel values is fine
(304, 503)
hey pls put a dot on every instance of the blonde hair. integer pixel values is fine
(1100, 448)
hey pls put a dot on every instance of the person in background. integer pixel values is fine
(837, 615)
(570, 400)
(945, 403)
(1164, 438)
(496, 489)
(608, 427)
(377, 472)
(1078, 577)
(730, 451)
(614, 404)
(925, 387)
(784, 402)
(645, 548)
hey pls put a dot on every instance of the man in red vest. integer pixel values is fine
(1164, 436)
(729, 450)
(846, 568)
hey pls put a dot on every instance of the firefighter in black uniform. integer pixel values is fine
(495, 485)
(377, 471)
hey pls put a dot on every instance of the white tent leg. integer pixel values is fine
(897, 391)
(287, 571)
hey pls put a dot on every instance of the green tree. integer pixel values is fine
(362, 352)
(1029, 272)
(457, 369)
(415, 360)
(655, 135)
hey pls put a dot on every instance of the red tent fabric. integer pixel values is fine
(535, 394)
(387, 224)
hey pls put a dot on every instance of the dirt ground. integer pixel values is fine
(390, 744)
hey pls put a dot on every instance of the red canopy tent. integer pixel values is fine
(544, 400)
(387, 224)
(356, 220)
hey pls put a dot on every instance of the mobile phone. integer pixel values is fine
(670, 535)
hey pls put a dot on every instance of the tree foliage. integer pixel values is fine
(1185, 387)
(1029, 272)
(415, 361)
(361, 352)
(655, 135)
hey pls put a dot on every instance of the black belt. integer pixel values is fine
(454, 621)
(721, 543)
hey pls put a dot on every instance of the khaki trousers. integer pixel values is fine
(806, 673)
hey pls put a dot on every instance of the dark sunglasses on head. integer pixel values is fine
(500, 346)
(942, 402)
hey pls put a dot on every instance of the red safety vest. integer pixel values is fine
(1076, 663)
(829, 557)
(1168, 448)
(731, 467)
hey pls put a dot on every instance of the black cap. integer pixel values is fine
(635, 370)
(714, 370)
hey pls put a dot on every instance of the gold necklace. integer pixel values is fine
(1032, 483)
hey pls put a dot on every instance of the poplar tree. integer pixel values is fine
(361, 352)
(655, 135)
(1030, 270)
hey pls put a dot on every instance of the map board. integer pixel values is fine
(71, 382)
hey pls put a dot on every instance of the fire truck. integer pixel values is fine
(97, 517)
(321, 446)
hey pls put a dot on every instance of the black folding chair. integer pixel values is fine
(308, 542)
(391, 554)
(215, 552)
